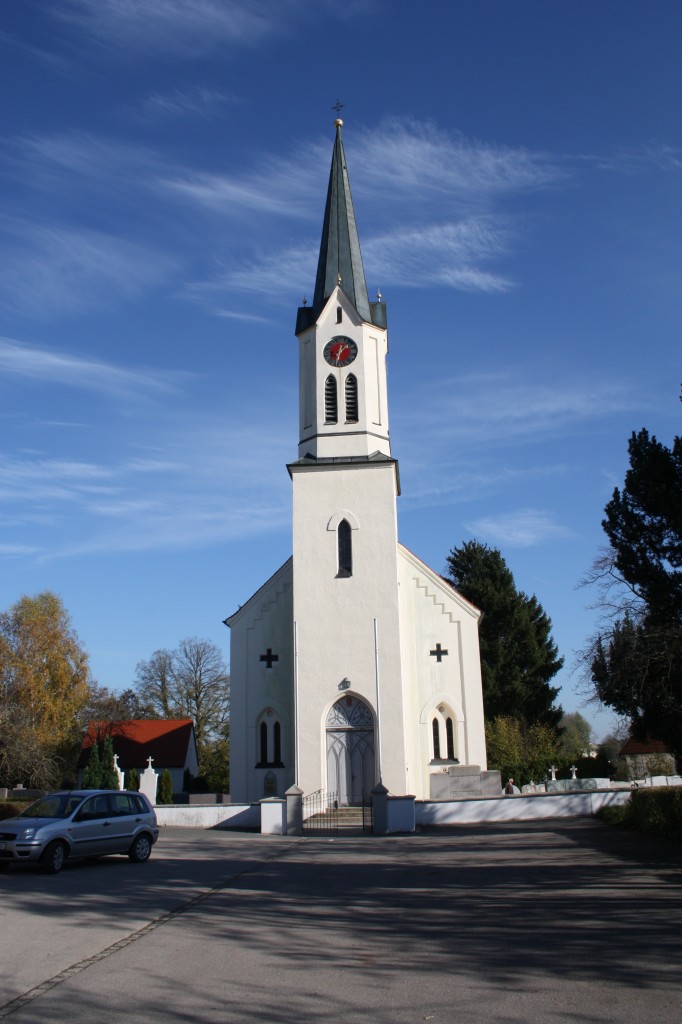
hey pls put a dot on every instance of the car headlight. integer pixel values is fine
(29, 833)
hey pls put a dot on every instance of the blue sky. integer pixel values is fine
(516, 175)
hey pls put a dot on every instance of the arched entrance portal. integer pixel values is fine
(350, 751)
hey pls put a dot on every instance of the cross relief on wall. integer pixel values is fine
(269, 657)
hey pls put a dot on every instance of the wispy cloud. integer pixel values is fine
(52, 269)
(202, 481)
(521, 529)
(475, 436)
(194, 102)
(447, 254)
(180, 27)
(40, 364)
(504, 407)
(417, 159)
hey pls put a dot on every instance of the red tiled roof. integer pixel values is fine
(645, 746)
(166, 740)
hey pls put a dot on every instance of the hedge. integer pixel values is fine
(657, 810)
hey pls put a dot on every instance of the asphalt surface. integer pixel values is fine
(549, 922)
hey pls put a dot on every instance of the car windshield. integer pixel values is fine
(57, 805)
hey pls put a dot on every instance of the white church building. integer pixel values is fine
(355, 663)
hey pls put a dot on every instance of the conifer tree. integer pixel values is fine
(109, 775)
(518, 655)
(165, 794)
(92, 776)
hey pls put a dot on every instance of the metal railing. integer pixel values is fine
(320, 813)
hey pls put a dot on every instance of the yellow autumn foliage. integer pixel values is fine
(44, 672)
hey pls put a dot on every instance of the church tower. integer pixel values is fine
(355, 663)
(345, 483)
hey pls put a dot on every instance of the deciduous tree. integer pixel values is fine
(519, 752)
(191, 681)
(44, 684)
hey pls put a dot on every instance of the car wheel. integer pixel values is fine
(53, 857)
(140, 849)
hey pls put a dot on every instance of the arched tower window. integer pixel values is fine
(277, 733)
(435, 727)
(339, 314)
(351, 398)
(331, 406)
(345, 541)
(263, 743)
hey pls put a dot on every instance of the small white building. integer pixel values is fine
(355, 663)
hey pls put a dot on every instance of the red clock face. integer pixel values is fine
(340, 351)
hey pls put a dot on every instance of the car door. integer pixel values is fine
(90, 827)
(123, 818)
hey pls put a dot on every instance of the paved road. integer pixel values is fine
(553, 922)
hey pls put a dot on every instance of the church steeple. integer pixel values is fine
(340, 259)
(343, 341)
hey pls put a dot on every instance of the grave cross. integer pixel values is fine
(438, 654)
(269, 657)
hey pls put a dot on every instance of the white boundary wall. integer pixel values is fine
(517, 808)
(209, 815)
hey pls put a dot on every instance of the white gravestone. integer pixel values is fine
(149, 780)
(119, 773)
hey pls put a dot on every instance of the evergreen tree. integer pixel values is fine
(133, 780)
(109, 775)
(518, 655)
(636, 662)
(165, 794)
(92, 776)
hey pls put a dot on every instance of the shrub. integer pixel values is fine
(616, 815)
(133, 780)
(657, 810)
(165, 794)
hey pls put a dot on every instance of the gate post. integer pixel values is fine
(294, 797)
(380, 809)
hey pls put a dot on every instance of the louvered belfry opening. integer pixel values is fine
(331, 405)
(351, 398)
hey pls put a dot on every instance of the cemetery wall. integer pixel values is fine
(534, 807)
(209, 815)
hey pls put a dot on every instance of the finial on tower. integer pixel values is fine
(338, 106)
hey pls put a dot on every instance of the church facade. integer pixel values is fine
(354, 663)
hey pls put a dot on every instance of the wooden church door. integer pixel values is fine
(350, 751)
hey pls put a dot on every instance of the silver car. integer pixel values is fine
(81, 823)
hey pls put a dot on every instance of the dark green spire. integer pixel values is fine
(340, 254)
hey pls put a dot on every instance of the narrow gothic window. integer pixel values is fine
(351, 398)
(339, 314)
(436, 737)
(331, 412)
(278, 743)
(263, 743)
(450, 738)
(345, 549)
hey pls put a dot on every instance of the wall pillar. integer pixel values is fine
(294, 798)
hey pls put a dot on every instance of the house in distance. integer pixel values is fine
(169, 742)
